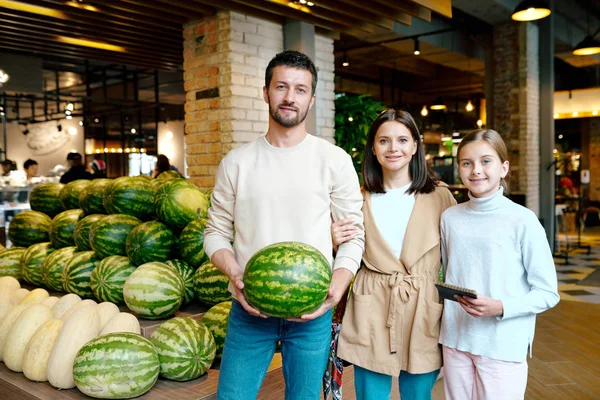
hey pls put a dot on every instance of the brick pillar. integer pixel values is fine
(516, 104)
(325, 107)
(594, 159)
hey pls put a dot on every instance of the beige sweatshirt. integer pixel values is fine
(275, 194)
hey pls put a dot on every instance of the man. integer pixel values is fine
(76, 170)
(284, 186)
(7, 166)
(31, 168)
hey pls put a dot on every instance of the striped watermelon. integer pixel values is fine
(32, 260)
(170, 174)
(63, 226)
(210, 285)
(69, 194)
(186, 348)
(131, 196)
(53, 266)
(10, 262)
(178, 202)
(28, 228)
(208, 195)
(116, 366)
(46, 199)
(187, 274)
(191, 243)
(81, 234)
(154, 291)
(150, 241)
(90, 198)
(77, 272)
(108, 235)
(108, 278)
(216, 320)
(287, 279)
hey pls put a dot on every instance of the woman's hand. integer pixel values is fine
(342, 231)
(482, 306)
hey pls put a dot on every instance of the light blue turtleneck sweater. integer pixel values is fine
(499, 249)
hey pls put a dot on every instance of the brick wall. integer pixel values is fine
(325, 107)
(594, 159)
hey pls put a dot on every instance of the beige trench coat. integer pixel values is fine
(392, 319)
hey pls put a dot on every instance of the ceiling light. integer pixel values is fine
(70, 106)
(82, 6)
(456, 134)
(69, 117)
(3, 76)
(438, 104)
(575, 114)
(556, 116)
(133, 130)
(417, 50)
(80, 123)
(345, 63)
(350, 119)
(72, 131)
(560, 136)
(17, 5)
(531, 10)
(424, 111)
(96, 120)
(479, 123)
(67, 112)
(91, 43)
(310, 3)
(595, 112)
(587, 47)
(469, 106)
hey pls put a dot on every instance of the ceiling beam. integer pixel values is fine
(355, 12)
(173, 9)
(381, 10)
(197, 6)
(117, 6)
(408, 7)
(442, 7)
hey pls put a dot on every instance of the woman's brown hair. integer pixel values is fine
(423, 179)
(492, 138)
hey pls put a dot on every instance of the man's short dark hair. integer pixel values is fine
(73, 156)
(29, 163)
(294, 59)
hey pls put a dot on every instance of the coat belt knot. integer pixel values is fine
(401, 285)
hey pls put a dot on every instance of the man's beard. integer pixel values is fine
(291, 121)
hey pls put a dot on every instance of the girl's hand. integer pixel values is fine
(342, 231)
(480, 307)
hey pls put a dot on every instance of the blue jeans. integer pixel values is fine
(376, 386)
(249, 347)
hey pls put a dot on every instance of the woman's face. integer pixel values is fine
(394, 147)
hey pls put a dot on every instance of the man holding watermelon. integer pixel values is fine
(284, 186)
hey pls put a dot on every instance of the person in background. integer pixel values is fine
(499, 249)
(163, 164)
(31, 168)
(76, 169)
(7, 166)
(98, 168)
(391, 327)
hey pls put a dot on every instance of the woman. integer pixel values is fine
(392, 321)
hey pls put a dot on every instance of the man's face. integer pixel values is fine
(5, 168)
(289, 95)
(32, 170)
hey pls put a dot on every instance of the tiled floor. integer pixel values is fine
(581, 263)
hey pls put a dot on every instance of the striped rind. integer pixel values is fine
(131, 196)
(211, 285)
(63, 226)
(287, 279)
(178, 202)
(53, 266)
(45, 198)
(10, 262)
(77, 273)
(185, 347)
(116, 366)
(150, 241)
(216, 320)
(90, 198)
(108, 235)
(191, 243)
(154, 291)
(108, 278)
(69, 194)
(81, 234)
(168, 175)
(32, 260)
(186, 272)
(29, 227)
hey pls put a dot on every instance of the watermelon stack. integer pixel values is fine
(62, 228)
(28, 228)
(81, 234)
(168, 175)
(150, 241)
(69, 194)
(46, 199)
(53, 267)
(287, 279)
(216, 320)
(77, 273)
(90, 198)
(211, 285)
(178, 202)
(116, 366)
(108, 235)
(109, 277)
(10, 262)
(186, 348)
(154, 291)
(187, 274)
(32, 260)
(191, 243)
(131, 196)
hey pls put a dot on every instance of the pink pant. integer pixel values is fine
(471, 377)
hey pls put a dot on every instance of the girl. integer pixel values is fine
(499, 249)
(392, 321)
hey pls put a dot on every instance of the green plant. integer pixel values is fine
(353, 118)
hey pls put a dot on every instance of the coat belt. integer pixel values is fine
(401, 285)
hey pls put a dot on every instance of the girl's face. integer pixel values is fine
(481, 169)
(394, 147)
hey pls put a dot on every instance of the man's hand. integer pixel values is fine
(480, 307)
(339, 283)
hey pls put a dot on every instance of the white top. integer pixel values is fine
(278, 194)
(499, 249)
(391, 211)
